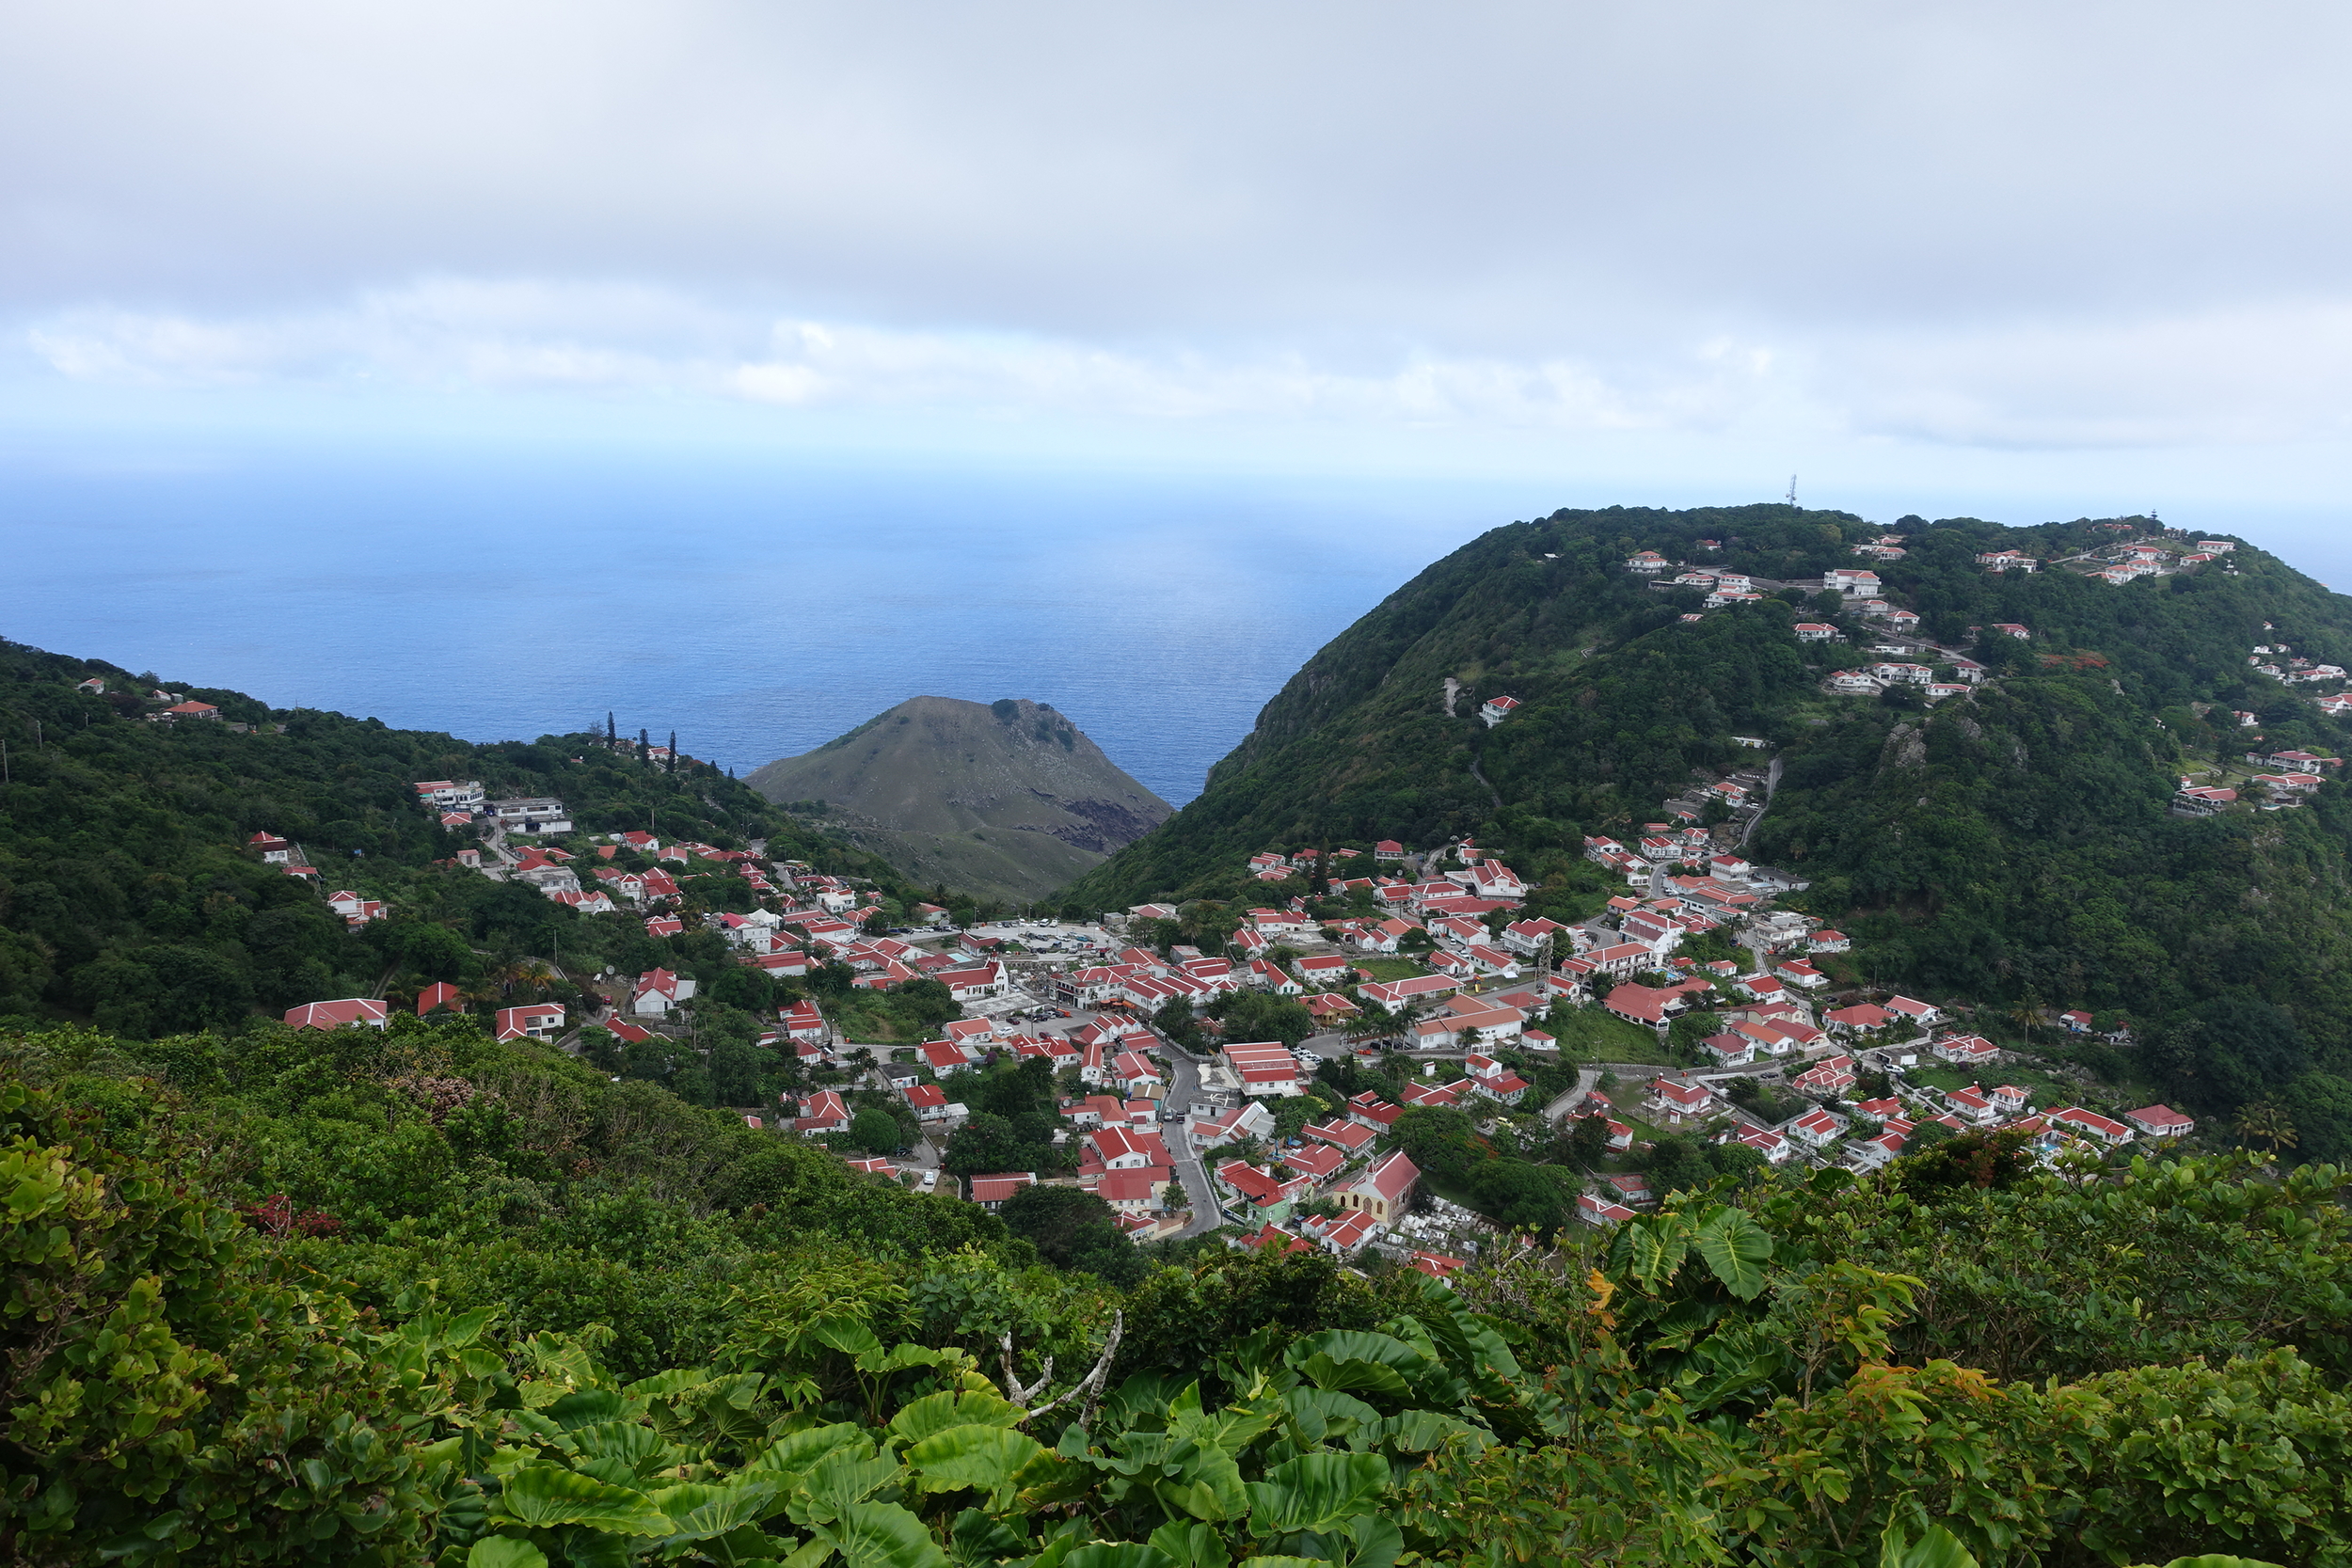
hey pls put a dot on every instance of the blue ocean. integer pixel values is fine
(758, 607)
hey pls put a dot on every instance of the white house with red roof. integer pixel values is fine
(1965, 1051)
(2160, 1121)
(2091, 1125)
(541, 1021)
(1494, 710)
(824, 1112)
(1923, 1014)
(1973, 1104)
(1249, 1119)
(1369, 1110)
(273, 850)
(1261, 1068)
(1600, 1210)
(930, 1102)
(1831, 1076)
(360, 1012)
(1817, 1128)
(974, 984)
(658, 991)
(1349, 1137)
(1681, 1102)
(991, 1193)
(1862, 1019)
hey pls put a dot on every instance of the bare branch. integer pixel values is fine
(1013, 1390)
(1089, 1385)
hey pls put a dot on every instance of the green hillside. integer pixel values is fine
(1008, 799)
(2011, 847)
(127, 897)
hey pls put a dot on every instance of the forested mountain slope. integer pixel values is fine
(2012, 846)
(126, 895)
(1007, 798)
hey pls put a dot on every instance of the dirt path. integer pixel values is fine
(1452, 688)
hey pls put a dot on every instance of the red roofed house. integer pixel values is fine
(1857, 1019)
(1966, 1050)
(658, 991)
(1599, 1211)
(1130, 1192)
(440, 996)
(1634, 1186)
(1830, 1075)
(1679, 1102)
(1438, 1265)
(989, 1191)
(1921, 1013)
(2160, 1121)
(1261, 1194)
(822, 1112)
(1817, 1128)
(1263, 1068)
(2090, 1124)
(191, 710)
(543, 1021)
(273, 850)
(1369, 1110)
(1386, 1191)
(1272, 1235)
(1348, 1137)
(351, 1012)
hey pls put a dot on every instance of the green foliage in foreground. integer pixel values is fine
(1763, 1383)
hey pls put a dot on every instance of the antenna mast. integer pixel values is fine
(1793, 489)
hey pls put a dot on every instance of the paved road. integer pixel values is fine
(1185, 1069)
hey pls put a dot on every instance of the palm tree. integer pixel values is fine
(2265, 1122)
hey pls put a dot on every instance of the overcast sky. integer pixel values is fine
(2090, 248)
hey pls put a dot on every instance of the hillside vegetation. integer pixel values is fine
(127, 896)
(415, 1298)
(2014, 847)
(1008, 799)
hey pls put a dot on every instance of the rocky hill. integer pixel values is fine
(1007, 799)
(2013, 842)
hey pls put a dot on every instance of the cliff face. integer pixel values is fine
(1008, 799)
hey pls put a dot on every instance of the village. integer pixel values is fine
(1439, 966)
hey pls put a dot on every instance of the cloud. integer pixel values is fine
(2000, 224)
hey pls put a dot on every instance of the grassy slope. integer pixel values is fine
(1012, 800)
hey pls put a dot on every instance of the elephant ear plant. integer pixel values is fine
(841, 1449)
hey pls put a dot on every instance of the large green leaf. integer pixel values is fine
(587, 1407)
(846, 1334)
(1355, 1344)
(501, 1551)
(1189, 1546)
(666, 1384)
(638, 1445)
(1937, 1547)
(1737, 1248)
(1655, 1248)
(981, 1457)
(1326, 1415)
(1317, 1492)
(839, 1480)
(938, 1412)
(699, 1511)
(1117, 1554)
(545, 1495)
(1379, 1541)
(882, 1535)
(795, 1454)
(1355, 1376)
